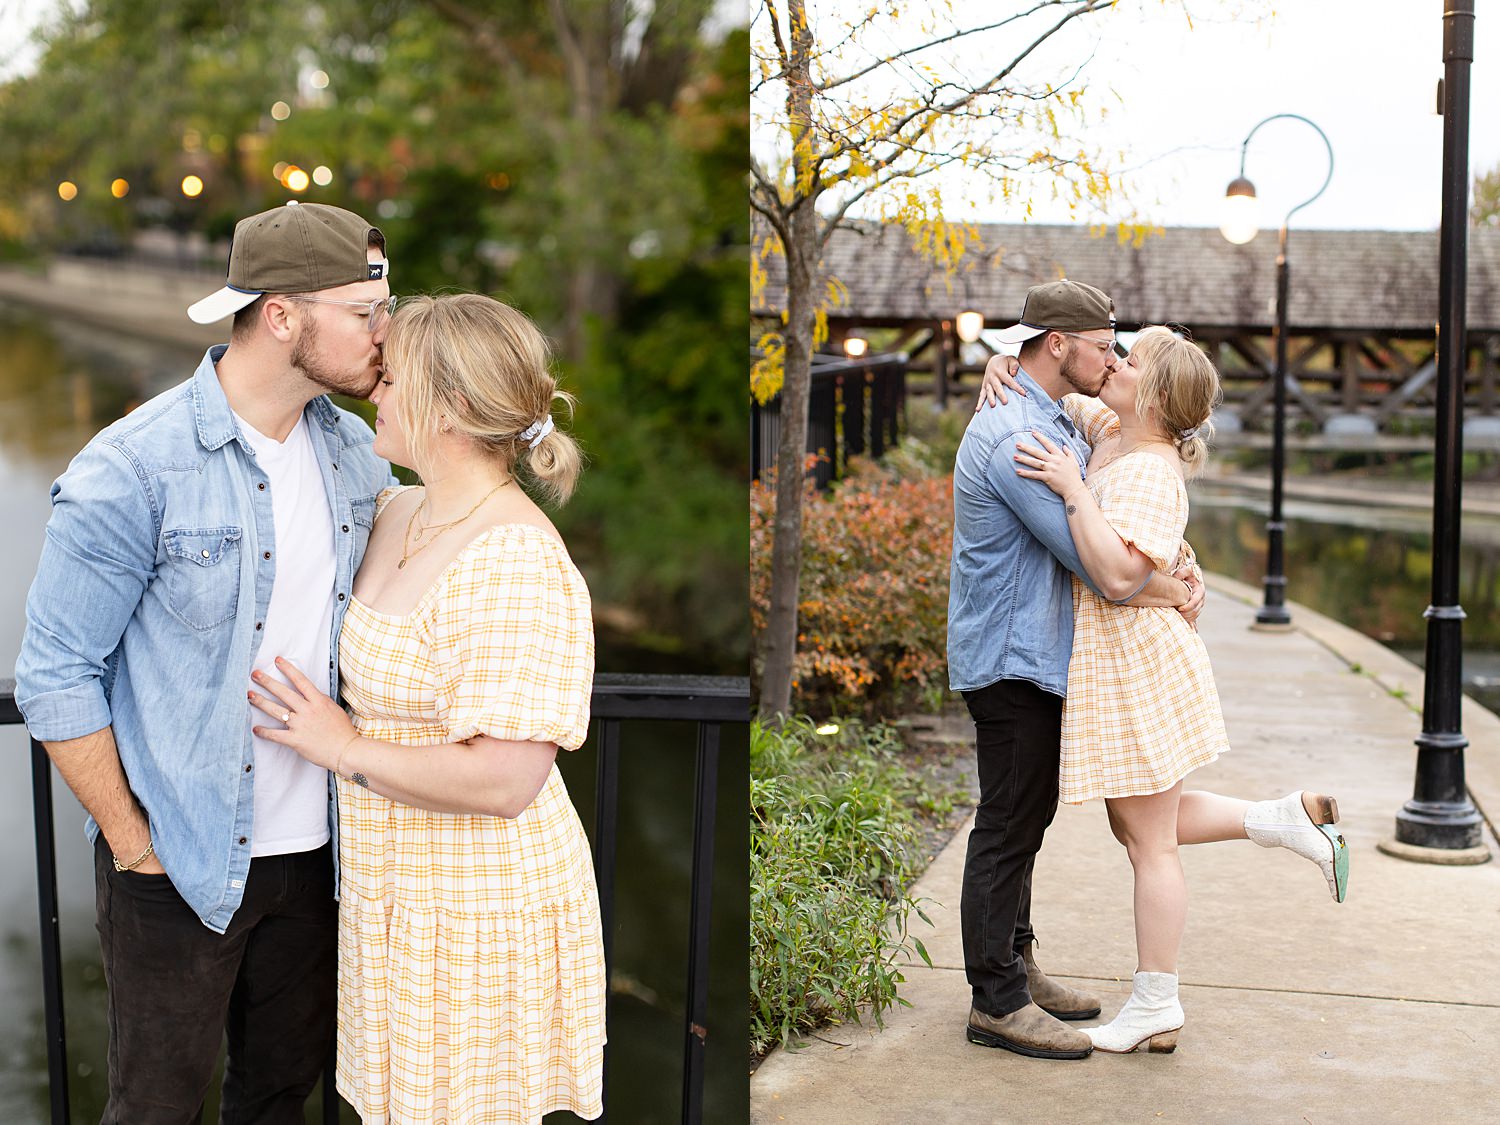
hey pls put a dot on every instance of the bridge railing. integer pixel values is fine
(710, 702)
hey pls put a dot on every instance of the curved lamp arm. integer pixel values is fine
(1326, 179)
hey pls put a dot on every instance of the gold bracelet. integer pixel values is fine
(137, 861)
(338, 767)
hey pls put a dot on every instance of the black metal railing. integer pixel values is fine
(854, 408)
(709, 701)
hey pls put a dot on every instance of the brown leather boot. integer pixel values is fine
(1028, 1031)
(1054, 998)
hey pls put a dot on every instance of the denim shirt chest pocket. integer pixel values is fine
(364, 520)
(201, 570)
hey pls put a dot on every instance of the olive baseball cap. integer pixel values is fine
(1060, 306)
(299, 248)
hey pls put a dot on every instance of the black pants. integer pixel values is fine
(176, 988)
(1018, 732)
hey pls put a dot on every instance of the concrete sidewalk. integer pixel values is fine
(1383, 1009)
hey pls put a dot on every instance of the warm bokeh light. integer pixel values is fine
(856, 346)
(120, 188)
(192, 140)
(322, 175)
(280, 170)
(281, 111)
(498, 180)
(319, 79)
(828, 728)
(969, 324)
(295, 179)
(67, 191)
(192, 186)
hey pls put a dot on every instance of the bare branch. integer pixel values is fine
(929, 106)
(938, 42)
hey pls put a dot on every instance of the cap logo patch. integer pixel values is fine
(379, 269)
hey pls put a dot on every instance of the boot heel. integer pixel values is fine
(1325, 810)
(1163, 1044)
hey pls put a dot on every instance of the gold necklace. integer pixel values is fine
(1127, 452)
(408, 552)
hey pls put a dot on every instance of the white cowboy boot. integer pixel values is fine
(1152, 1013)
(1290, 823)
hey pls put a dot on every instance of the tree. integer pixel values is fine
(825, 102)
(1486, 209)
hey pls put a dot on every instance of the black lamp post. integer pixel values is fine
(1440, 824)
(1239, 227)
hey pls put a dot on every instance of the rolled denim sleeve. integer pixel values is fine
(98, 555)
(1040, 509)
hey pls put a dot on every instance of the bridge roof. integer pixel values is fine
(1370, 281)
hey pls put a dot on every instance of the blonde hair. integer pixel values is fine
(479, 367)
(1180, 388)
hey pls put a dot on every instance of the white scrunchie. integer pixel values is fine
(534, 433)
(1189, 434)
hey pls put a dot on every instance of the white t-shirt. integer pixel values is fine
(291, 793)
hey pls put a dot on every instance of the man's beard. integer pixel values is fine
(317, 371)
(1069, 373)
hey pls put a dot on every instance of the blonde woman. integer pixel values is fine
(1142, 711)
(471, 966)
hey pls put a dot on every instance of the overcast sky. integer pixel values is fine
(1181, 100)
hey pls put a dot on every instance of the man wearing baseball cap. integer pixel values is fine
(1010, 636)
(211, 529)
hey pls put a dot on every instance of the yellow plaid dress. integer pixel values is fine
(471, 961)
(1142, 710)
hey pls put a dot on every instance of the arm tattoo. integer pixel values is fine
(1072, 509)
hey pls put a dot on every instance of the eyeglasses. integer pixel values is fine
(378, 311)
(1104, 346)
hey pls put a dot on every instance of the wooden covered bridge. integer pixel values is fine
(1362, 316)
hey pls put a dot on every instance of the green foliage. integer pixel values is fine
(873, 609)
(1485, 211)
(832, 848)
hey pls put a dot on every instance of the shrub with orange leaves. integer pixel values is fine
(872, 617)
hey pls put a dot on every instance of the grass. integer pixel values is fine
(835, 844)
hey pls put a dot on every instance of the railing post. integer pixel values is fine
(606, 829)
(47, 913)
(704, 809)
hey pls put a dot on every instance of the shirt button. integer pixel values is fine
(249, 768)
(346, 527)
(267, 555)
(244, 839)
(261, 486)
(341, 597)
(258, 624)
(205, 554)
(335, 466)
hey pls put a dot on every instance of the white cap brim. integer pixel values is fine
(1015, 334)
(216, 306)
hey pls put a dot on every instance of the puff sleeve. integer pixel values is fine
(1146, 502)
(513, 642)
(1094, 420)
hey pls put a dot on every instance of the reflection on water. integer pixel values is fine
(1369, 568)
(60, 383)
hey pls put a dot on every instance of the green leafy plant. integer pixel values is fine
(834, 841)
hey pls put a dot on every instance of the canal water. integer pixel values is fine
(1367, 567)
(60, 382)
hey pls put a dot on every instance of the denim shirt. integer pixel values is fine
(1010, 596)
(145, 615)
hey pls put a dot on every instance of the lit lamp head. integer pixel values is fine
(1241, 212)
(969, 324)
(855, 346)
